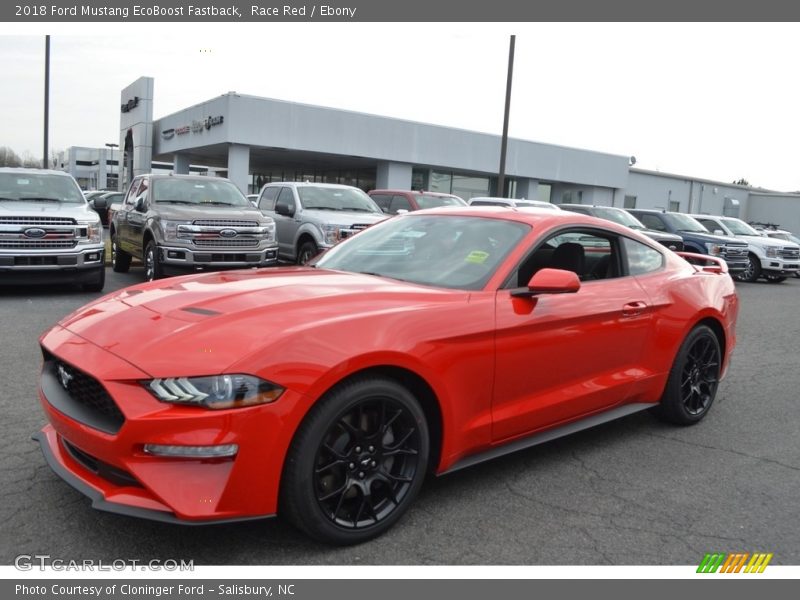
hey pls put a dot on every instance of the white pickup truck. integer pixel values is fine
(48, 232)
(772, 259)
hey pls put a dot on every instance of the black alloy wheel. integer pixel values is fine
(152, 265)
(356, 463)
(693, 379)
(306, 252)
(120, 260)
(752, 272)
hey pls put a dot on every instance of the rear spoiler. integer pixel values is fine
(701, 262)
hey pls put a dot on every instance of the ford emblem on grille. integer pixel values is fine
(228, 233)
(34, 232)
(64, 377)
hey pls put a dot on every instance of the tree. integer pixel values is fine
(9, 158)
(29, 161)
(742, 181)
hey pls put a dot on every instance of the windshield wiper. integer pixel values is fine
(174, 202)
(217, 203)
(356, 209)
(9, 199)
(321, 208)
(39, 199)
(384, 275)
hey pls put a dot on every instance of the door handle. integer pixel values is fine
(633, 309)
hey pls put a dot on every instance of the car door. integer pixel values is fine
(286, 221)
(563, 356)
(122, 230)
(137, 217)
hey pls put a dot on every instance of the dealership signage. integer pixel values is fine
(168, 134)
(196, 126)
(130, 104)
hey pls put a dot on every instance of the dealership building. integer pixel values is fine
(254, 140)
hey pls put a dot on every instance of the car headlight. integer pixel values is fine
(170, 228)
(216, 391)
(331, 234)
(269, 232)
(772, 252)
(91, 232)
(714, 249)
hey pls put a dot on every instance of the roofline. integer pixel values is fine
(690, 178)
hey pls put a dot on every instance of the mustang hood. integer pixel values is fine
(201, 324)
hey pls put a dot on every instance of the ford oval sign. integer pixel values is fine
(227, 233)
(34, 232)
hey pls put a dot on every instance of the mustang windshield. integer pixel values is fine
(440, 250)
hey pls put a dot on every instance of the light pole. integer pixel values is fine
(45, 159)
(501, 176)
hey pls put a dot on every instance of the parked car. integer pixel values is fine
(100, 203)
(175, 223)
(312, 217)
(48, 233)
(395, 201)
(426, 343)
(696, 238)
(253, 199)
(773, 260)
(618, 215)
(511, 203)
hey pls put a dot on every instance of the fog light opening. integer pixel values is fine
(221, 451)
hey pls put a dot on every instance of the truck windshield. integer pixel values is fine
(40, 186)
(738, 227)
(620, 216)
(430, 201)
(331, 198)
(205, 192)
(681, 222)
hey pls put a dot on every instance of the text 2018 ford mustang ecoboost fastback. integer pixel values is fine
(425, 343)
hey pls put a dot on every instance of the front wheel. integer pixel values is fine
(753, 270)
(693, 379)
(356, 463)
(120, 260)
(775, 278)
(152, 265)
(306, 252)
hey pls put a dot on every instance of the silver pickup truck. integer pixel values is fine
(181, 223)
(48, 233)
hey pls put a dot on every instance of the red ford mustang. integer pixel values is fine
(429, 342)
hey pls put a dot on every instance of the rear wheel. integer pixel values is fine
(152, 264)
(120, 260)
(753, 270)
(693, 379)
(356, 463)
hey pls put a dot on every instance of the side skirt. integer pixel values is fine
(549, 435)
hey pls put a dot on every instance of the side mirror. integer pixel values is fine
(550, 281)
(284, 208)
(718, 232)
(402, 211)
(139, 204)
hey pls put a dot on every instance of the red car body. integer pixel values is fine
(469, 355)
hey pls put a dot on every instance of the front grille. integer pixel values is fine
(80, 395)
(226, 243)
(676, 246)
(36, 221)
(359, 226)
(790, 253)
(98, 467)
(224, 223)
(227, 258)
(36, 244)
(735, 251)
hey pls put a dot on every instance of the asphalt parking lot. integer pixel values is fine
(631, 492)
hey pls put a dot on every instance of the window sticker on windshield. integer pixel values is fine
(23, 181)
(477, 257)
(200, 186)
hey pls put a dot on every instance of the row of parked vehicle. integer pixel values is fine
(180, 223)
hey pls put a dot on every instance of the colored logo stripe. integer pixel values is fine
(733, 563)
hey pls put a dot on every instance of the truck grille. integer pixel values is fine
(790, 253)
(226, 243)
(36, 244)
(224, 223)
(36, 221)
(735, 251)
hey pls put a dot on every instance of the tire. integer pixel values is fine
(99, 283)
(153, 268)
(753, 270)
(120, 260)
(306, 251)
(775, 278)
(693, 379)
(356, 462)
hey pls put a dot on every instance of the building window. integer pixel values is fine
(630, 202)
(675, 206)
(543, 192)
(566, 197)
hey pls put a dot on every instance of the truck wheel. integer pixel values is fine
(99, 282)
(306, 252)
(753, 270)
(120, 260)
(693, 380)
(152, 265)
